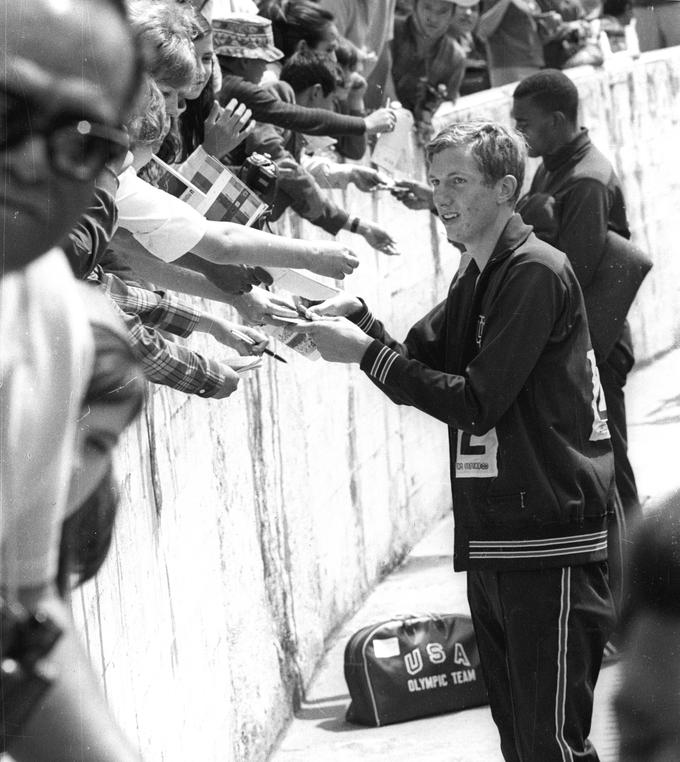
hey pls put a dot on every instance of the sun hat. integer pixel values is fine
(241, 36)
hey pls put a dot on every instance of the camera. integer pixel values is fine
(26, 638)
(260, 174)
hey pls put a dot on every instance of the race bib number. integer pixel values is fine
(600, 429)
(477, 457)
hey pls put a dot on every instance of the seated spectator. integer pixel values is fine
(616, 16)
(428, 65)
(514, 48)
(648, 699)
(463, 29)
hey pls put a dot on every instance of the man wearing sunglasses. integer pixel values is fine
(68, 70)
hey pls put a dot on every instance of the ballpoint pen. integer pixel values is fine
(247, 340)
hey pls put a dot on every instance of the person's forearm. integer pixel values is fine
(229, 243)
(170, 275)
(490, 20)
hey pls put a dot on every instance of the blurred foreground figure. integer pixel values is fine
(68, 72)
(648, 702)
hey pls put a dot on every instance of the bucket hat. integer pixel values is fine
(245, 37)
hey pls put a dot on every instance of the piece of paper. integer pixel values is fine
(214, 191)
(243, 363)
(301, 283)
(302, 343)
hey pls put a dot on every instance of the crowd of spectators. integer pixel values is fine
(105, 107)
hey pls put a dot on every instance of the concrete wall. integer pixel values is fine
(251, 527)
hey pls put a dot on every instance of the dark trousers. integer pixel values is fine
(541, 635)
(613, 373)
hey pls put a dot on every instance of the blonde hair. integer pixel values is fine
(498, 150)
(148, 121)
(165, 31)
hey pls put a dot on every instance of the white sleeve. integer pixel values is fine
(45, 364)
(163, 224)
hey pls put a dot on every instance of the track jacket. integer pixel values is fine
(508, 366)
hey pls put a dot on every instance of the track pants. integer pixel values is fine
(541, 635)
(613, 373)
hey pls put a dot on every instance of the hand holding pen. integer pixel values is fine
(238, 334)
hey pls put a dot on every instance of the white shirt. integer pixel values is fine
(45, 364)
(164, 225)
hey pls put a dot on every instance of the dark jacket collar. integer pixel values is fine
(576, 148)
(514, 235)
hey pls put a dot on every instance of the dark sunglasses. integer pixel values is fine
(76, 148)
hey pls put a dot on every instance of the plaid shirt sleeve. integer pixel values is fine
(161, 310)
(170, 364)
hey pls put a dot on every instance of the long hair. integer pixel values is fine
(191, 123)
(188, 132)
(296, 20)
(86, 536)
(87, 532)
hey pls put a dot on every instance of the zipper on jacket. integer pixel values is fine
(521, 500)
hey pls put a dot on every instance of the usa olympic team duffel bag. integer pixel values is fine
(413, 667)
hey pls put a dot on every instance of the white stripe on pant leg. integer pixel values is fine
(621, 537)
(561, 692)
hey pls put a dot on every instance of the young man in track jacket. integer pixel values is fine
(505, 361)
(574, 200)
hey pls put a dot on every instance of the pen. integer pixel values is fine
(247, 340)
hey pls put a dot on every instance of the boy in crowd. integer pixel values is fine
(314, 82)
(506, 362)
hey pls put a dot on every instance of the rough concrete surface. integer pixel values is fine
(426, 582)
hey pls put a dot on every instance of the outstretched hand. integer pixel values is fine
(225, 128)
(382, 120)
(366, 178)
(378, 238)
(340, 305)
(332, 259)
(413, 194)
(259, 307)
(337, 339)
